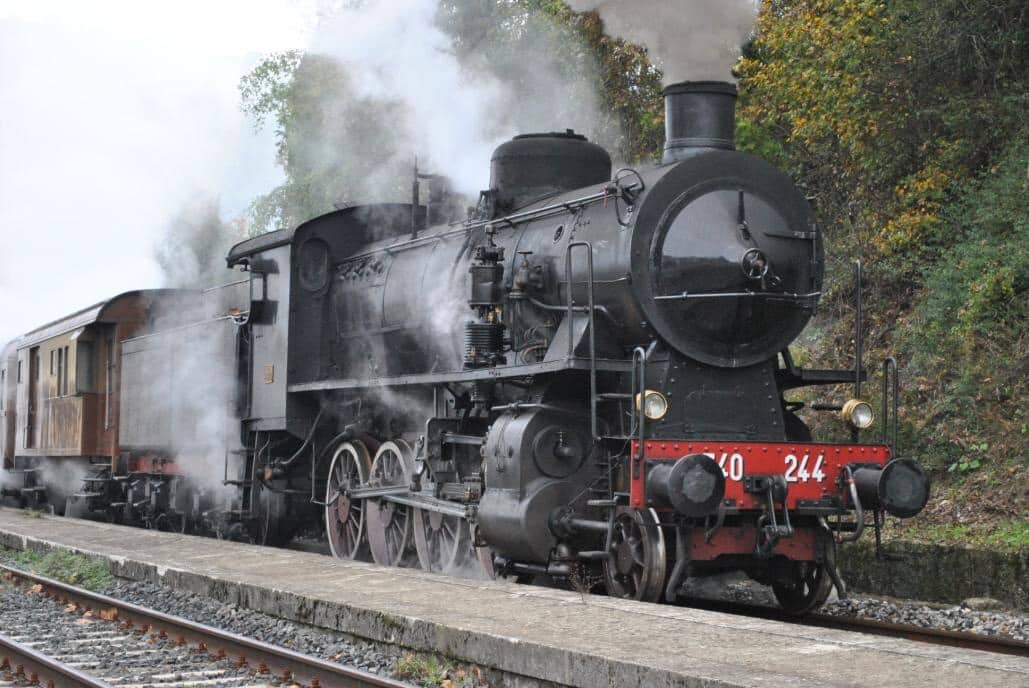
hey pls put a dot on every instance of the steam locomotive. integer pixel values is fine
(585, 377)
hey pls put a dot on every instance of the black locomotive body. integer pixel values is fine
(587, 375)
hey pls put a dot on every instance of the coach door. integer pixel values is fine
(32, 422)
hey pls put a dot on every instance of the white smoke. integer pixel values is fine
(192, 252)
(692, 40)
(454, 107)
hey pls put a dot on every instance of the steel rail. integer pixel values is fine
(935, 636)
(39, 669)
(266, 658)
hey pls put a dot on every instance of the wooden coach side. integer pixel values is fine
(8, 396)
(68, 395)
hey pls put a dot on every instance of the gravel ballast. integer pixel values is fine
(960, 617)
(307, 640)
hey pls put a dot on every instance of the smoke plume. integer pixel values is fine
(693, 40)
(196, 240)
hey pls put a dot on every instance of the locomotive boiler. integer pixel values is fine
(587, 376)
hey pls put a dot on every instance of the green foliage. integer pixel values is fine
(328, 139)
(907, 121)
(425, 669)
(884, 108)
(970, 463)
(1005, 535)
(967, 340)
(433, 670)
(66, 567)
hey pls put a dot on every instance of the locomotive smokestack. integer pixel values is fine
(699, 115)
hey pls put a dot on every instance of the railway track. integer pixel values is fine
(935, 636)
(84, 639)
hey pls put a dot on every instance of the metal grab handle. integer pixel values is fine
(592, 322)
(889, 410)
(859, 510)
(858, 325)
(639, 384)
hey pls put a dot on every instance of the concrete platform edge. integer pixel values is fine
(520, 664)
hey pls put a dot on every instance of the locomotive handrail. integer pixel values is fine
(889, 411)
(639, 384)
(857, 329)
(563, 207)
(784, 295)
(512, 220)
(592, 322)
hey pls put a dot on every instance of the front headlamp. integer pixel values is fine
(858, 413)
(655, 406)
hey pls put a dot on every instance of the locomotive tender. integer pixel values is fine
(588, 374)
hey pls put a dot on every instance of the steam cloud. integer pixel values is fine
(692, 40)
(451, 105)
(444, 93)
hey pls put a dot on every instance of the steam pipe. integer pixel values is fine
(282, 466)
(859, 511)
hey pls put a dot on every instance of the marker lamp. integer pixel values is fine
(655, 406)
(858, 413)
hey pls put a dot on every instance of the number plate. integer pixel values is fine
(811, 470)
(795, 469)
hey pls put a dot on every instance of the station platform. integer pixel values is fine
(533, 637)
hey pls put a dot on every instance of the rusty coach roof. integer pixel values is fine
(78, 319)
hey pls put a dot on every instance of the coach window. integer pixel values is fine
(85, 367)
(61, 389)
(19, 372)
(67, 362)
(59, 351)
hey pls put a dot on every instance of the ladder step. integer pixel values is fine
(614, 395)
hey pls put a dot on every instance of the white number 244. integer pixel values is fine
(797, 470)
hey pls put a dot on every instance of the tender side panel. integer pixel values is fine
(811, 470)
(269, 326)
(179, 389)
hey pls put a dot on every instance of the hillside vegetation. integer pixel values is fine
(905, 120)
(908, 122)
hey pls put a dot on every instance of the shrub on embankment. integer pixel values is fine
(907, 121)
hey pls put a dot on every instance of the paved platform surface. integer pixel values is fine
(536, 636)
